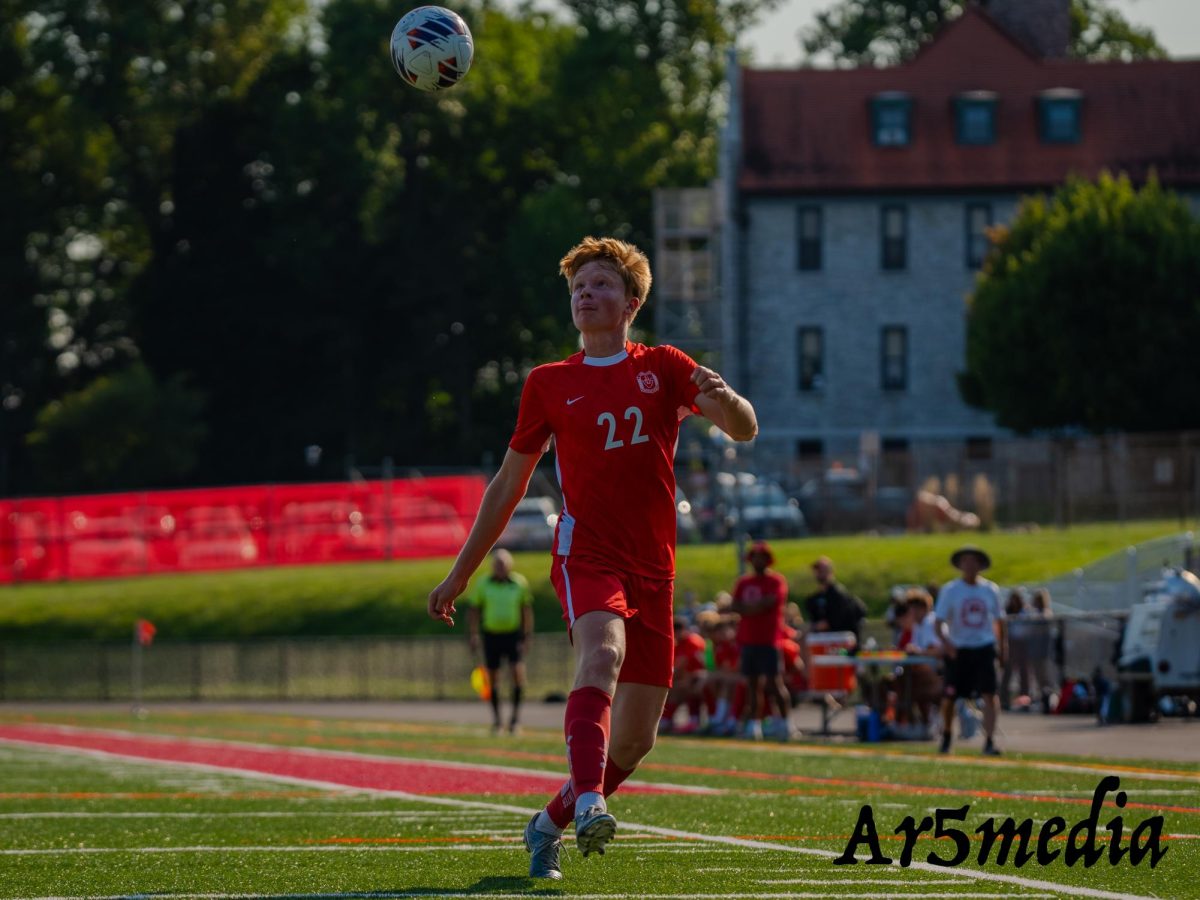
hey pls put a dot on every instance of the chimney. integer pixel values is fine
(1042, 26)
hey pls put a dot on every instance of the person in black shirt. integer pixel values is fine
(831, 607)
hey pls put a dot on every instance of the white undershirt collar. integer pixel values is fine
(605, 360)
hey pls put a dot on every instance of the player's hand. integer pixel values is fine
(712, 385)
(441, 601)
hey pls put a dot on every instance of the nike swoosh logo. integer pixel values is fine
(580, 397)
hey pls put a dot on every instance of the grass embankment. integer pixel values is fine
(389, 598)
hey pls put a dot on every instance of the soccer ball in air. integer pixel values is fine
(432, 48)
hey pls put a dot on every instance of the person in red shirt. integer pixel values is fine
(760, 598)
(688, 679)
(613, 411)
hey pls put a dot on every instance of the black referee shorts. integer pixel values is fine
(500, 645)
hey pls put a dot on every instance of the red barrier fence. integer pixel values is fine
(103, 535)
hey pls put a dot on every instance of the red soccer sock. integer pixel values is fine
(561, 809)
(586, 723)
(614, 777)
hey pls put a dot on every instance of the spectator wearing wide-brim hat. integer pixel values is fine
(969, 618)
(985, 561)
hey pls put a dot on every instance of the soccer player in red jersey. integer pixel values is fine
(613, 412)
(760, 598)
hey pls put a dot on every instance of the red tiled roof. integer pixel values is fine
(809, 130)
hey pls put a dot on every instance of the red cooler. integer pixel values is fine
(826, 678)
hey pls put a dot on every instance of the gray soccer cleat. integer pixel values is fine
(594, 829)
(545, 850)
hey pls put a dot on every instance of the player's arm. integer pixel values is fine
(723, 406)
(741, 605)
(499, 501)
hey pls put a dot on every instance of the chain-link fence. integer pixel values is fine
(1118, 581)
(873, 480)
(284, 669)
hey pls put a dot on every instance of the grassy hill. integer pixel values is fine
(389, 598)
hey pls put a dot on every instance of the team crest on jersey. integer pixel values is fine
(648, 382)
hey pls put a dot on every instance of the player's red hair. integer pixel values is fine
(628, 261)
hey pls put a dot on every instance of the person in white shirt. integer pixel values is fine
(968, 617)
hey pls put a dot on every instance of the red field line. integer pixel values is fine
(345, 769)
(159, 795)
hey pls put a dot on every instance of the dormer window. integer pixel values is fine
(1059, 115)
(891, 119)
(975, 118)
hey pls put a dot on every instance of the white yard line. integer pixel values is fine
(505, 843)
(719, 840)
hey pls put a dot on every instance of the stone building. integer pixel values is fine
(854, 208)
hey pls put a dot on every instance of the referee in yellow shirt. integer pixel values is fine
(503, 602)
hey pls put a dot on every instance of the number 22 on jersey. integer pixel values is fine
(609, 421)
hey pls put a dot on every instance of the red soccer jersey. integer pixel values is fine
(762, 628)
(728, 655)
(689, 653)
(615, 424)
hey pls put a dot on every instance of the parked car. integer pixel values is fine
(743, 503)
(531, 526)
(838, 500)
(764, 510)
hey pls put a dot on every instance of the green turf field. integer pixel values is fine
(75, 825)
(389, 598)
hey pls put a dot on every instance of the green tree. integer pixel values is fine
(92, 95)
(249, 197)
(1087, 312)
(122, 431)
(887, 32)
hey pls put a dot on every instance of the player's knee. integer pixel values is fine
(604, 659)
(631, 749)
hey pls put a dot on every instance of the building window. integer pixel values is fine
(809, 227)
(1059, 116)
(810, 352)
(975, 118)
(895, 358)
(979, 220)
(979, 448)
(891, 119)
(895, 237)
(809, 449)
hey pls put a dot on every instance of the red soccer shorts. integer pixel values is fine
(644, 603)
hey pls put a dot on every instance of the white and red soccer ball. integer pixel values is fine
(432, 48)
